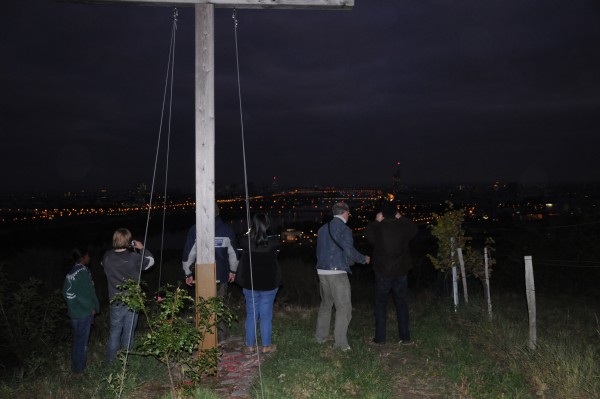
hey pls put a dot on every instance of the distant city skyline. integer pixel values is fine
(460, 92)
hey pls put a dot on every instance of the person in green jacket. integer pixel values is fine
(83, 305)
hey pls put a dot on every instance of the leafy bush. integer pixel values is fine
(29, 323)
(173, 337)
(449, 232)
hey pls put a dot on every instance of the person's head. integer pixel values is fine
(389, 210)
(79, 255)
(260, 225)
(342, 209)
(121, 239)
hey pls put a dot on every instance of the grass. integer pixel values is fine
(460, 354)
(305, 369)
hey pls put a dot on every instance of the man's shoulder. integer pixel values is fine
(221, 225)
(406, 221)
(336, 221)
(112, 254)
(191, 232)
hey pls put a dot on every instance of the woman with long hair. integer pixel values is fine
(260, 279)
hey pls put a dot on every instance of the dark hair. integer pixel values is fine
(78, 253)
(389, 210)
(258, 233)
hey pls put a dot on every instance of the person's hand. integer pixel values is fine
(379, 217)
(367, 259)
(189, 280)
(398, 215)
(231, 277)
(138, 245)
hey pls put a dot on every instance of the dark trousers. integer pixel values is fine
(398, 287)
(81, 333)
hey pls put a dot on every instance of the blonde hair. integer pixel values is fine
(121, 238)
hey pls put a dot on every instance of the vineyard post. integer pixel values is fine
(486, 282)
(461, 261)
(530, 291)
(454, 276)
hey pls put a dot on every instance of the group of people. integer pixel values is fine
(389, 234)
(258, 273)
(124, 261)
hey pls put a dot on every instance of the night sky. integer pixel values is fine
(457, 91)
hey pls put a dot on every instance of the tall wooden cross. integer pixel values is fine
(205, 121)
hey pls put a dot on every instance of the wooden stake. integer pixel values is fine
(461, 261)
(486, 282)
(454, 275)
(530, 291)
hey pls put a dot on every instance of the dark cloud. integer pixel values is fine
(458, 91)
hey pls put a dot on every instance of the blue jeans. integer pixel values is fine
(262, 306)
(335, 291)
(81, 333)
(399, 287)
(122, 327)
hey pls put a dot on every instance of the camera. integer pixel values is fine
(132, 244)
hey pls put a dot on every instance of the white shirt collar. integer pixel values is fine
(340, 217)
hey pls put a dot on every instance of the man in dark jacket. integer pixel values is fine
(390, 234)
(225, 259)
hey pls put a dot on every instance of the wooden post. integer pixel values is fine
(206, 286)
(486, 282)
(454, 275)
(463, 276)
(530, 291)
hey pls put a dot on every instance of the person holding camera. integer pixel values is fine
(125, 261)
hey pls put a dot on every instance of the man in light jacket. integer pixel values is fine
(335, 254)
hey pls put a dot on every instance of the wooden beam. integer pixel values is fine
(205, 134)
(290, 4)
(206, 286)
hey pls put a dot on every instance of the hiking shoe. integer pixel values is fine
(406, 342)
(346, 349)
(375, 342)
(269, 349)
(323, 340)
(249, 349)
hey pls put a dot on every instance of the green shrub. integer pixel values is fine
(30, 324)
(173, 338)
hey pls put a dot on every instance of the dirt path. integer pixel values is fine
(236, 371)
